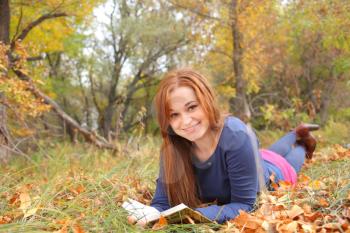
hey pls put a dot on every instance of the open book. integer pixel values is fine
(177, 214)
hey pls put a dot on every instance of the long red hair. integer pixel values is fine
(176, 151)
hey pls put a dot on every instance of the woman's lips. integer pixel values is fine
(191, 129)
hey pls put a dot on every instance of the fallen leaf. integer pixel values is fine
(312, 216)
(77, 228)
(323, 202)
(247, 221)
(162, 223)
(332, 226)
(303, 179)
(30, 212)
(308, 227)
(62, 230)
(307, 209)
(5, 219)
(25, 201)
(295, 211)
(290, 227)
(317, 185)
(14, 198)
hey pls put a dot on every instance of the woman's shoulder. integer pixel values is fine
(234, 124)
(234, 133)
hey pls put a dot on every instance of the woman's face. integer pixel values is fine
(187, 117)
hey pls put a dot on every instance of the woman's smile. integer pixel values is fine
(192, 128)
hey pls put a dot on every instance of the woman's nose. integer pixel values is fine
(186, 119)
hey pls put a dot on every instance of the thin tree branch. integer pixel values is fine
(35, 23)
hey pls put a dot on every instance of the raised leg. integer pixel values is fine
(285, 144)
(296, 157)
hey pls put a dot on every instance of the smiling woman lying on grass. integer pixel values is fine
(209, 157)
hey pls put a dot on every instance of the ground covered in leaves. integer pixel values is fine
(64, 188)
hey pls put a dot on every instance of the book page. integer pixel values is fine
(141, 211)
(183, 214)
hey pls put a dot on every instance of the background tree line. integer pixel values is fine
(65, 72)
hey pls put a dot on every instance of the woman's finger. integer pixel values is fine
(132, 219)
(142, 223)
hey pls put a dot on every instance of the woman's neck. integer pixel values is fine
(205, 147)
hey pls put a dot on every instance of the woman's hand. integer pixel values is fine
(143, 216)
(133, 221)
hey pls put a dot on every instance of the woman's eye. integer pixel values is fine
(191, 108)
(173, 115)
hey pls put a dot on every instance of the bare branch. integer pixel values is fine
(201, 14)
(36, 58)
(19, 24)
(88, 135)
(35, 23)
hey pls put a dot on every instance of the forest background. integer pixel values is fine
(77, 79)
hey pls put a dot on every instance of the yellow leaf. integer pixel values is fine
(317, 185)
(295, 211)
(25, 201)
(30, 212)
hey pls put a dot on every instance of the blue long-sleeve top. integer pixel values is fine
(229, 177)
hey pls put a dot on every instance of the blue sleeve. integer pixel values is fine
(242, 173)
(160, 199)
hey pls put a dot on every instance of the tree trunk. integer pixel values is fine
(326, 97)
(5, 39)
(4, 21)
(239, 104)
(4, 136)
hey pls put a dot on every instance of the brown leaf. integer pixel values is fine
(14, 199)
(312, 216)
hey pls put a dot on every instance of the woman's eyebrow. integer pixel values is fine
(190, 102)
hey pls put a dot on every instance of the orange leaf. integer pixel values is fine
(4, 219)
(312, 216)
(290, 227)
(303, 178)
(323, 202)
(77, 229)
(247, 221)
(162, 223)
(14, 198)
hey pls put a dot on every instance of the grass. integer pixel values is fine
(79, 187)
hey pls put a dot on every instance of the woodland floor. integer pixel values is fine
(65, 188)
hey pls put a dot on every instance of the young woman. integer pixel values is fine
(207, 157)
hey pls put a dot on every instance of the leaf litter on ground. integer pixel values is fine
(78, 201)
